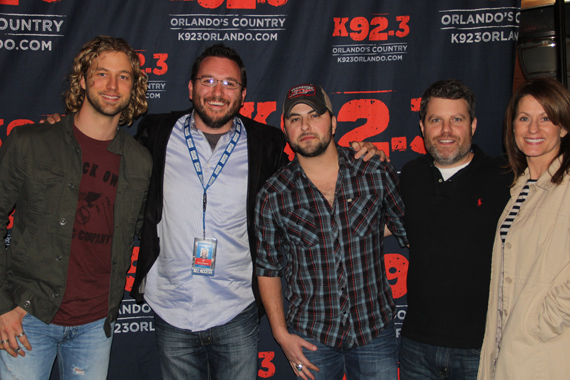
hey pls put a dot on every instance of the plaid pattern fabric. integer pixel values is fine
(332, 257)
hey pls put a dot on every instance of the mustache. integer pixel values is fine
(217, 99)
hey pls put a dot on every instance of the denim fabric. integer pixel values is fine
(219, 353)
(378, 360)
(80, 350)
(424, 361)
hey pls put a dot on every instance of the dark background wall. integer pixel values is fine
(373, 57)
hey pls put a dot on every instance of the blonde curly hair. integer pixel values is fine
(75, 95)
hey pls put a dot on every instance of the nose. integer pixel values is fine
(112, 83)
(533, 126)
(218, 88)
(305, 126)
(446, 127)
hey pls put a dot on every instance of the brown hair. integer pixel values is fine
(448, 89)
(555, 99)
(75, 95)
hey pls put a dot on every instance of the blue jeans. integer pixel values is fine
(219, 353)
(80, 350)
(424, 361)
(378, 360)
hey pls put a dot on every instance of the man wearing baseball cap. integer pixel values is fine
(320, 224)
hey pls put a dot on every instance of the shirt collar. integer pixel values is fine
(545, 180)
(345, 156)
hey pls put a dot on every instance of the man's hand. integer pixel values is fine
(367, 150)
(292, 346)
(12, 333)
(52, 119)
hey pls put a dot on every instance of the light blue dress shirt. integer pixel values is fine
(181, 298)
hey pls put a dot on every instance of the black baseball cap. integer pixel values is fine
(309, 94)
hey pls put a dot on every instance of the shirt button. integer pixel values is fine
(55, 295)
(71, 186)
(508, 245)
(63, 221)
(440, 180)
(505, 313)
(59, 258)
(508, 280)
(27, 303)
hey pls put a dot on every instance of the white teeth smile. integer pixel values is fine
(534, 140)
(110, 97)
(216, 103)
(445, 141)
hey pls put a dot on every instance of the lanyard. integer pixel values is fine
(217, 170)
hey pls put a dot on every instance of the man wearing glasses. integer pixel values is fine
(208, 166)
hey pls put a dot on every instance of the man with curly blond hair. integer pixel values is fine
(78, 188)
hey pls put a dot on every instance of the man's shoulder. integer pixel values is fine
(496, 162)
(157, 119)
(420, 162)
(374, 164)
(261, 130)
(151, 126)
(44, 132)
(133, 147)
(282, 180)
(492, 166)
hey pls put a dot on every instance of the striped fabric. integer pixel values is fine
(515, 210)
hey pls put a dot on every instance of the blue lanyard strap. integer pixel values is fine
(219, 167)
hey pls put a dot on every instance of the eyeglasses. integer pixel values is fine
(230, 84)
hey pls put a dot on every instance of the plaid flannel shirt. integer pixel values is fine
(332, 257)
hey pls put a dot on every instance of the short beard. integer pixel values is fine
(219, 122)
(315, 151)
(99, 108)
(448, 161)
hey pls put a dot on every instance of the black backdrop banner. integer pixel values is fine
(373, 57)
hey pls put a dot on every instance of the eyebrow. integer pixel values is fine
(298, 114)
(226, 78)
(440, 116)
(107, 70)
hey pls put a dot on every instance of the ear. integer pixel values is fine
(82, 81)
(563, 132)
(190, 89)
(243, 94)
(285, 130)
(473, 126)
(333, 124)
(422, 127)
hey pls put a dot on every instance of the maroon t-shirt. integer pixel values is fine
(86, 297)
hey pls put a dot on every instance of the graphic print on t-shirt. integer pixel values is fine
(88, 275)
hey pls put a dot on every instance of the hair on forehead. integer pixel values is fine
(448, 89)
(220, 51)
